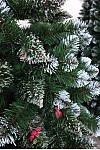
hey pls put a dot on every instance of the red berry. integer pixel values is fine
(31, 138)
(38, 129)
(59, 114)
(33, 132)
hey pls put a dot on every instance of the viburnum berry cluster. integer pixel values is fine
(35, 133)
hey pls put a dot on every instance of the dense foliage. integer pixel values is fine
(92, 9)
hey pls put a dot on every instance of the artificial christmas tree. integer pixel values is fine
(92, 50)
(47, 83)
